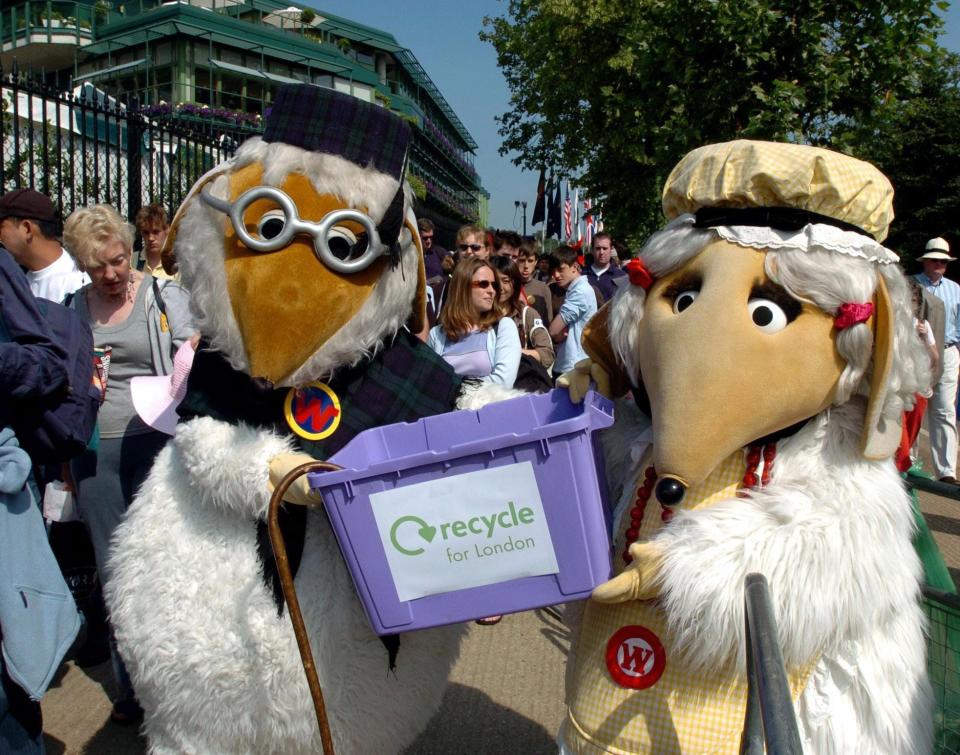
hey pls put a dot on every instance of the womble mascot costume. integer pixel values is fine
(304, 265)
(767, 335)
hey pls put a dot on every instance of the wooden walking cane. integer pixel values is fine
(290, 593)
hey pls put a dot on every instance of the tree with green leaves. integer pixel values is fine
(613, 93)
(917, 145)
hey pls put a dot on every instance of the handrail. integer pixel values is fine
(928, 485)
(770, 723)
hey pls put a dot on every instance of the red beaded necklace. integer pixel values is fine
(754, 453)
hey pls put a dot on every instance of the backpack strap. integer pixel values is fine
(164, 321)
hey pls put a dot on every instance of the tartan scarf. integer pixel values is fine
(403, 382)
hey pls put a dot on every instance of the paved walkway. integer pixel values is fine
(505, 695)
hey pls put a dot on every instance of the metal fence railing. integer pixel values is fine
(770, 724)
(81, 146)
(942, 606)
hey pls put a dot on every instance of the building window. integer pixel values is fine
(162, 54)
(231, 91)
(201, 89)
(229, 55)
(253, 102)
(275, 66)
(363, 92)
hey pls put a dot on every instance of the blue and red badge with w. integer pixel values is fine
(313, 411)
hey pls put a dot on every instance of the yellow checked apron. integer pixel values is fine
(630, 693)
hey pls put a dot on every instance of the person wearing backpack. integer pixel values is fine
(536, 354)
(38, 618)
(138, 323)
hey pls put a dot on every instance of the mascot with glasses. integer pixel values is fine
(302, 257)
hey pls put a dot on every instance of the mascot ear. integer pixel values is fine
(418, 320)
(166, 253)
(881, 436)
(596, 342)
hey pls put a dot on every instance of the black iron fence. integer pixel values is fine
(81, 146)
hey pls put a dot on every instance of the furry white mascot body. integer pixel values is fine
(210, 648)
(742, 337)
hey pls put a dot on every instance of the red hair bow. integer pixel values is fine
(852, 313)
(639, 274)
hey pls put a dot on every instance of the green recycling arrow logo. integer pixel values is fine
(424, 530)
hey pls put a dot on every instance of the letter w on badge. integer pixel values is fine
(314, 415)
(312, 412)
(634, 657)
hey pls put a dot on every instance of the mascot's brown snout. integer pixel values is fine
(771, 359)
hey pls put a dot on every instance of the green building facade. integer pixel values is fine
(224, 59)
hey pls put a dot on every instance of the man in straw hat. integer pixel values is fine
(942, 409)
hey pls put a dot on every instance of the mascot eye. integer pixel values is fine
(271, 224)
(767, 315)
(345, 244)
(683, 300)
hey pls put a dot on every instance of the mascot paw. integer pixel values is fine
(639, 581)
(577, 381)
(299, 492)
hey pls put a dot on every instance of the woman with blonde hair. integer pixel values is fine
(474, 336)
(138, 323)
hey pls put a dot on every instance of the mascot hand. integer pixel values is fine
(299, 492)
(577, 380)
(639, 581)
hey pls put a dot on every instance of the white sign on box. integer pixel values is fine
(466, 530)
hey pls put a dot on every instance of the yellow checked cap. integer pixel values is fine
(746, 173)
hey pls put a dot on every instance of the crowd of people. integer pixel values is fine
(494, 276)
(137, 316)
(500, 311)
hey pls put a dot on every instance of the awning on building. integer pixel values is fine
(112, 70)
(242, 70)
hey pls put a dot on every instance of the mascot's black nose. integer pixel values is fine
(670, 491)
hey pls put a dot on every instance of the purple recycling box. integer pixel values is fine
(473, 513)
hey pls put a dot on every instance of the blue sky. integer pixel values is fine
(443, 36)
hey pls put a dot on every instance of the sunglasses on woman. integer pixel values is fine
(471, 247)
(483, 284)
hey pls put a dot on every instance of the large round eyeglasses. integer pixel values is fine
(335, 245)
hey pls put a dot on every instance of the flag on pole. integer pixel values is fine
(553, 214)
(588, 235)
(576, 215)
(539, 209)
(567, 218)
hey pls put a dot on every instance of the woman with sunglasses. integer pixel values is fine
(473, 335)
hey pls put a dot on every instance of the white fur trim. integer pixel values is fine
(832, 534)
(216, 668)
(819, 235)
(474, 395)
(227, 466)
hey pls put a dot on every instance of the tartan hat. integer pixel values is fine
(323, 120)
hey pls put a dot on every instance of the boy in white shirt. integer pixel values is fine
(579, 305)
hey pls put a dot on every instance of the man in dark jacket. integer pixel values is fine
(32, 365)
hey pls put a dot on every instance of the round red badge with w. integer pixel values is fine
(635, 657)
